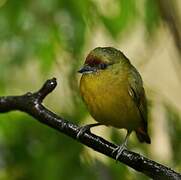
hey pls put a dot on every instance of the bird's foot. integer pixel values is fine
(119, 150)
(85, 128)
(82, 130)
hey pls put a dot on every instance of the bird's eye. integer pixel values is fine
(103, 66)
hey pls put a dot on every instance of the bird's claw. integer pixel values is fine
(119, 150)
(82, 130)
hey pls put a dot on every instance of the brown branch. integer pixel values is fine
(31, 103)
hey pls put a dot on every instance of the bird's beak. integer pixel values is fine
(87, 69)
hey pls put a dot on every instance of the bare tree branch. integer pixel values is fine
(31, 103)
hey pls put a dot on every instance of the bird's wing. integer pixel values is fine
(137, 93)
(140, 101)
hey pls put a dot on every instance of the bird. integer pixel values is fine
(113, 92)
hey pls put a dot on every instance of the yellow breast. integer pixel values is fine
(108, 101)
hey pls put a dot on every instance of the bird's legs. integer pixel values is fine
(85, 128)
(123, 146)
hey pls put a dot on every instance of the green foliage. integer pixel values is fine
(152, 15)
(33, 151)
(127, 14)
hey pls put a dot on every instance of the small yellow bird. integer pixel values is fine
(113, 91)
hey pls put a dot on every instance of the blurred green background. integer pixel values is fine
(51, 38)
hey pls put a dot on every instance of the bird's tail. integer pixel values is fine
(143, 136)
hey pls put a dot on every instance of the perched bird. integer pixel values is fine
(112, 89)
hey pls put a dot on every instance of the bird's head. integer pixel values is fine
(102, 57)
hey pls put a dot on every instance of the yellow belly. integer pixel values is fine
(108, 101)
